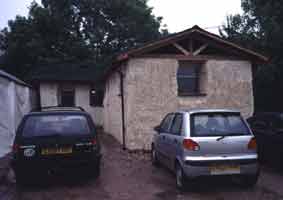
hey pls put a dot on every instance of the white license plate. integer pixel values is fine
(54, 151)
(224, 170)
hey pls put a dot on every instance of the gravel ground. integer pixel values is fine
(126, 176)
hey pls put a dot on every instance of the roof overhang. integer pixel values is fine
(195, 31)
(187, 33)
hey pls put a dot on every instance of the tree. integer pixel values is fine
(76, 30)
(261, 28)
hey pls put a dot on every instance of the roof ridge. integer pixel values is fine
(164, 41)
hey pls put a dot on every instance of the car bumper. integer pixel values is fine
(214, 167)
(57, 164)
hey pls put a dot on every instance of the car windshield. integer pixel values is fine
(218, 124)
(61, 125)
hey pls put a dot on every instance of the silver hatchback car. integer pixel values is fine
(206, 143)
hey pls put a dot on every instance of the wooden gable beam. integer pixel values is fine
(180, 48)
(224, 47)
(191, 46)
(199, 50)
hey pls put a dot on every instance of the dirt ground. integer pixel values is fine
(127, 176)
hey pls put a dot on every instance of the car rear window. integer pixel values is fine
(278, 122)
(63, 125)
(218, 124)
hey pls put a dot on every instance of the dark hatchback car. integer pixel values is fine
(268, 129)
(55, 140)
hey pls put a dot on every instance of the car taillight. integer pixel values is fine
(93, 141)
(190, 145)
(252, 144)
(15, 148)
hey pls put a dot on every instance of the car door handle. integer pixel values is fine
(175, 140)
(163, 137)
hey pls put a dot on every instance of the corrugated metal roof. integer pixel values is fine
(13, 78)
(67, 71)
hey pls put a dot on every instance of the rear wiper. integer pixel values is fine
(47, 136)
(221, 138)
(230, 134)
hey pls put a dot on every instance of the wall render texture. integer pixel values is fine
(151, 91)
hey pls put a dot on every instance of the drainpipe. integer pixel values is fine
(122, 108)
(254, 69)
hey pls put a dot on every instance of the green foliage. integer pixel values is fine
(261, 28)
(76, 30)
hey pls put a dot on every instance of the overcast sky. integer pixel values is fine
(183, 14)
(177, 14)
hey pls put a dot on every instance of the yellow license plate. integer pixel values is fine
(55, 151)
(225, 170)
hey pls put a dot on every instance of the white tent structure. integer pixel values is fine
(16, 99)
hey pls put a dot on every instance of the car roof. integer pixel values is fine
(268, 114)
(61, 108)
(51, 109)
(42, 113)
(57, 112)
(193, 111)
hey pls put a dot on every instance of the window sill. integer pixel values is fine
(192, 95)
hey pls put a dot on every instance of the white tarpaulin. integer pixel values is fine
(15, 102)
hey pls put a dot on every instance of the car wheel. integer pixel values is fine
(181, 180)
(94, 170)
(249, 181)
(97, 170)
(154, 157)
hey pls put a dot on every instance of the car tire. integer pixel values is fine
(154, 157)
(181, 179)
(95, 169)
(249, 181)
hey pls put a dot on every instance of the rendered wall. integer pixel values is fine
(112, 107)
(151, 93)
(16, 101)
(82, 99)
(49, 95)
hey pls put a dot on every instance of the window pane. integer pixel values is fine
(189, 64)
(259, 124)
(187, 76)
(67, 98)
(96, 98)
(186, 71)
(166, 123)
(56, 124)
(187, 85)
(218, 124)
(177, 125)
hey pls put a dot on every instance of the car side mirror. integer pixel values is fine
(157, 129)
